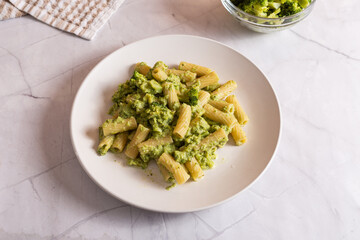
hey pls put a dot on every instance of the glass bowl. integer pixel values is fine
(266, 25)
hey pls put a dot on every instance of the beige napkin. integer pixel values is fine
(80, 17)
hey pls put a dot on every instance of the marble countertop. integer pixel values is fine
(310, 191)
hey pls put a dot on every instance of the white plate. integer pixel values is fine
(236, 167)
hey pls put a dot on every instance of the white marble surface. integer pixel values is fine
(311, 190)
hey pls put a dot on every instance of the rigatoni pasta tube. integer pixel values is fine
(161, 65)
(105, 144)
(208, 79)
(222, 105)
(170, 93)
(140, 136)
(238, 134)
(224, 90)
(164, 172)
(119, 142)
(113, 126)
(131, 134)
(239, 112)
(214, 137)
(159, 74)
(155, 142)
(142, 68)
(194, 168)
(183, 122)
(185, 76)
(174, 167)
(204, 97)
(216, 115)
(199, 70)
(183, 166)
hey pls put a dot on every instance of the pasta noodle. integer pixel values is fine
(222, 105)
(208, 79)
(159, 74)
(185, 76)
(183, 122)
(119, 142)
(156, 141)
(142, 68)
(203, 98)
(224, 90)
(174, 167)
(113, 126)
(170, 93)
(131, 134)
(164, 172)
(239, 113)
(219, 116)
(214, 137)
(140, 135)
(238, 134)
(194, 168)
(199, 70)
(105, 144)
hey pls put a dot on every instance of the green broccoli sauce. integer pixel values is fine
(148, 153)
(271, 8)
(171, 186)
(102, 150)
(196, 132)
(175, 80)
(137, 162)
(204, 154)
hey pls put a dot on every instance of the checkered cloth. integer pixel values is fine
(7, 10)
(80, 17)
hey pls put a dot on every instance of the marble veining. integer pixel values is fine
(310, 191)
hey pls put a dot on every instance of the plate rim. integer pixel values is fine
(156, 209)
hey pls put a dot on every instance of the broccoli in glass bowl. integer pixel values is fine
(269, 15)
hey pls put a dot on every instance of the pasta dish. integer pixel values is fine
(176, 117)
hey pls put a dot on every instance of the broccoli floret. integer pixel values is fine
(190, 96)
(270, 8)
(289, 8)
(193, 95)
(274, 5)
(254, 7)
(260, 10)
(137, 79)
(304, 3)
